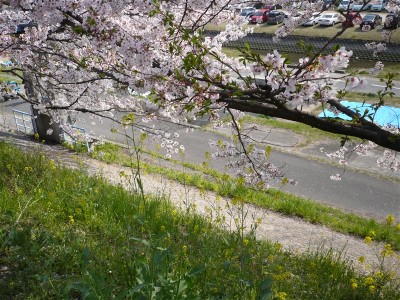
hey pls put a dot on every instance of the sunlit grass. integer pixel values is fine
(206, 178)
(64, 235)
(321, 31)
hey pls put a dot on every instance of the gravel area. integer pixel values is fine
(293, 234)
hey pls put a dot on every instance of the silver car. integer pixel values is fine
(378, 6)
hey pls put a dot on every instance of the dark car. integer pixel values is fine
(372, 20)
(275, 17)
(258, 5)
(392, 21)
(352, 19)
(272, 6)
(328, 4)
(22, 26)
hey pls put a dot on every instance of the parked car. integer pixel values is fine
(328, 4)
(272, 6)
(352, 19)
(330, 19)
(22, 26)
(260, 16)
(392, 21)
(345, 5)
(360, 6)
(313, 20)
(258, 5)
(247, 12)
(372, 20)
(275, 17)
(378, 6)
(9, 91)
(6, 64)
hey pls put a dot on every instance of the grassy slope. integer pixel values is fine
(322, 31)
(274, 200)
(65, 235)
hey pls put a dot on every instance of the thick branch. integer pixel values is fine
(370, 131)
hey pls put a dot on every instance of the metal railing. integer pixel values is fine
(77, 136)
(23, 121)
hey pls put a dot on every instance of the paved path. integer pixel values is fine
(292, 233)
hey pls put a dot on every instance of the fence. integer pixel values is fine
(290, 44)
(78, 135)
(23, 121)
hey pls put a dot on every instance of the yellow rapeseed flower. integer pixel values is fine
(387, 250)
(354, 285)
(361, 259)
(369, 281)
(71, 219)
(245, 242)
(390, 219)
(281, 295)
(368, 240)
(372, 289)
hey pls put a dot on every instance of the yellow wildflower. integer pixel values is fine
(372, 289)
(390, 219)
(71, 219)
(369, 281)
(361, 259)
(354, 285)
(368, 240)
(278, 246)
(387, 250)
(245, 242)
(281, 295)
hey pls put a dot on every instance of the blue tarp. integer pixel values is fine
(385, 115)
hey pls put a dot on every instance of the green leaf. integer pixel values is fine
(265, 290)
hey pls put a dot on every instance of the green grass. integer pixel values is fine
(320, 31)
(205, 178)
(357, 66)
(361, 67)
(372, 98)
(309, 134)
(64, 235)
(8, 77)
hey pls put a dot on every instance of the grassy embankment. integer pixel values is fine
(205, 178)
(64, 235)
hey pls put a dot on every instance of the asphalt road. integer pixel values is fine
(358, 192)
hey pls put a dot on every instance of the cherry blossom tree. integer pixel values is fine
(151, 57)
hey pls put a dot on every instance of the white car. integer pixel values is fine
(247, 12)
(360, 6)
(313, 20)
(330, 19)
(378, 5)
(345, 5)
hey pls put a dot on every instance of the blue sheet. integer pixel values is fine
(384, 116)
